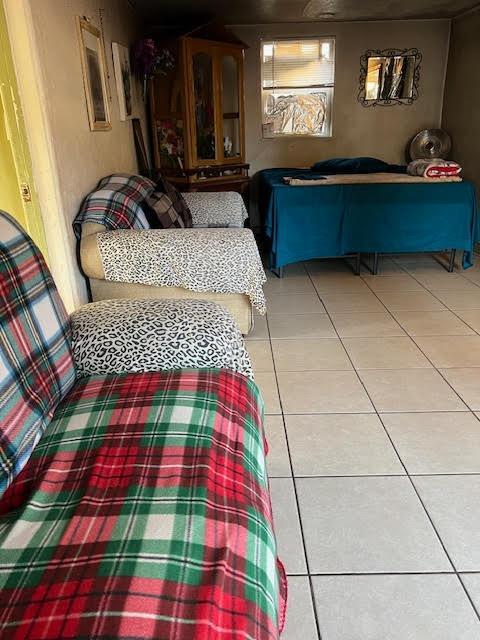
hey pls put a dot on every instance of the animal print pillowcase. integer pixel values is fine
(119, 336)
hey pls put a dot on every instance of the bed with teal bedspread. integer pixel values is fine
(306, 222)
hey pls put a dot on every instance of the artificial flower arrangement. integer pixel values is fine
(149, 60)
(170, 142)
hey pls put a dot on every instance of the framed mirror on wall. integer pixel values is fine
(389, 77)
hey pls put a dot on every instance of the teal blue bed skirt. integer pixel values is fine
(306, 222)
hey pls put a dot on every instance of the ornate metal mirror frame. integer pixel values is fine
(389, 53)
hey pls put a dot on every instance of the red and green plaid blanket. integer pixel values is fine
(144, 512)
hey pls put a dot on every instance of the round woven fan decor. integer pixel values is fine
(430, 143)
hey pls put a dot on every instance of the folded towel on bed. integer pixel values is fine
(433, 168)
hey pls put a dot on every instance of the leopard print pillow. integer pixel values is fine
(118, 336)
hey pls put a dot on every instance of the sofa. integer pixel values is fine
(116, 207)
(132, 504)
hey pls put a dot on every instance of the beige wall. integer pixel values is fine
(82, 156)
(461, 113)
(381, 131)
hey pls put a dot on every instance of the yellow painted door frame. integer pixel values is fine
(16, 178)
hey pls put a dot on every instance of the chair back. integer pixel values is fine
(36, 364)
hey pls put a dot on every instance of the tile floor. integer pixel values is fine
(371, 386)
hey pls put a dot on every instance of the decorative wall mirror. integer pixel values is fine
(389, 76)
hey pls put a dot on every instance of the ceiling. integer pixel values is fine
(181, 12)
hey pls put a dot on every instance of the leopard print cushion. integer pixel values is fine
(218, 260)
(117, 336)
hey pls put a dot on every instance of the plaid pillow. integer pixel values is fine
(116, 206)
(178, 202)
(36, 365)
(160, 212)
(140, 187)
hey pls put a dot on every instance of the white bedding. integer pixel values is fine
(369, 178)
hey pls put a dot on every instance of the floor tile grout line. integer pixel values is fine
(381, 573)
(448, 308)
(406, 470)
(454, 572)
(382, 475)
(421, 350)
(467, 594)
(297, 503)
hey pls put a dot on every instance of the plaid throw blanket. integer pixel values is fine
(36, 365)
(116, 203)
(144, 513)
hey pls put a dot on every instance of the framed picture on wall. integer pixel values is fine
(123, 79)
(94, 71)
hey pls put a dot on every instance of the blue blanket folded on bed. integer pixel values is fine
(334, 166)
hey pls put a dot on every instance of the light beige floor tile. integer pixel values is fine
(436, 442)
(385, 353)
(418, 258)
(386, 267)
(451, 351)
(298, 284)
(472, 584)
(409, 301)
(445, 281)
(367, 524)
(466, 383)
(290, 270)
(471, 317)
(294, 303)
(260, 354)
(344, 283)
(287, 525)
(459, 299)
(473, 275)
(322, 392)
(425, 268)
(410, 390)
(366, 325)
(267, 384)
(351, 302)
(431, 323)
(408, 607)
(340, 444)
(300, 621)
(393, 283)
(310, 354)
(453, 503)
(278, 462)
(301, 325)
(260, 329)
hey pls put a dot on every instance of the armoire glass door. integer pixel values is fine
(229, 69)
(204, 105)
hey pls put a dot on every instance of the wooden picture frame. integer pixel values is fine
(123, 80)
(94, 70)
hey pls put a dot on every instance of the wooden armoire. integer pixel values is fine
(197, 112)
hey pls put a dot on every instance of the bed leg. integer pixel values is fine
(451, 264)
(357, 263)
(278, 272)
(375, 264)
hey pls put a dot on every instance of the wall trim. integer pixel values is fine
(34, 105)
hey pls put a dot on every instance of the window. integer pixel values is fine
(297, 87)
